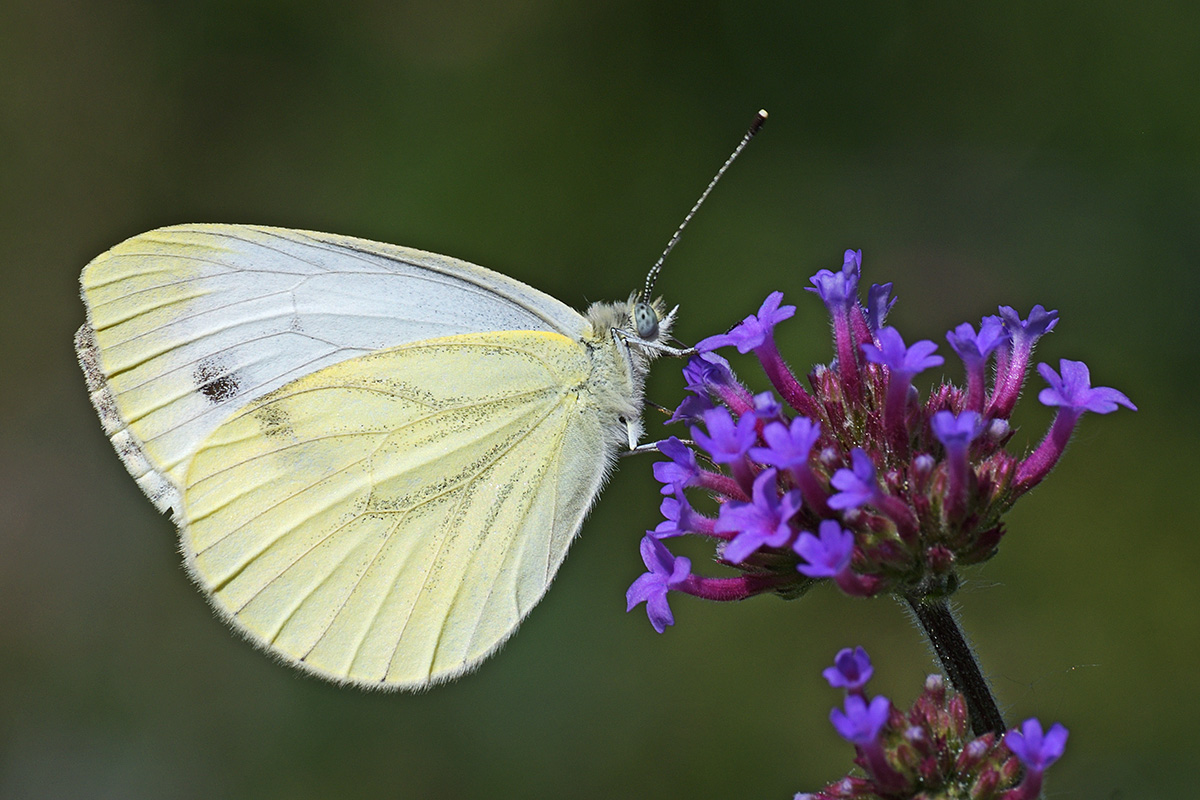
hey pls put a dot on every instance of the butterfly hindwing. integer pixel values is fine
(390, 519)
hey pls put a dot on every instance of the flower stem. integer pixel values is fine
(957, 659)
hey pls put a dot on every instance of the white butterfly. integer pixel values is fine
(376, 456)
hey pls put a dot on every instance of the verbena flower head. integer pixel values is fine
(928, 751)
(851, 475)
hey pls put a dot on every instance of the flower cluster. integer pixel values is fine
(854, 478)
(927, 751)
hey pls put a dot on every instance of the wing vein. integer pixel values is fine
(351, 434)
(556, 452)
(491, 463)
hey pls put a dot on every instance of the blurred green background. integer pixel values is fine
(1034, 153)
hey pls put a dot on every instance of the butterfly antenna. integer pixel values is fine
(755, 127)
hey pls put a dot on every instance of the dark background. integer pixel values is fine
(1039, 153)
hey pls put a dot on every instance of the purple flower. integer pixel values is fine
(708, 376)
(839, 292)
(705, 370)
(956, 435)
(839, 289)
(878, 305)
(974, 348)
(1040, 322)
(956, 432)
(860, 723)
(902, 363)
(691, 409)
(763, 522)
(1074, 390)
(756, 333)
(754, 330)
(827, 556)
(1035, 750)
(850, 671)
(893, 354)
(682, 470)
(856, 476)
(787, 446)
(665, 572)
(855, 486)
(671, 508)
(1013, 359)
(1073, 394)
(767, 407)
(726, 441)
(680, 518)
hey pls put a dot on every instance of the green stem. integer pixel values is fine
(957, 659)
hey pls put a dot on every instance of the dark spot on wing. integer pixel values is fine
(214, 381)
(273, 420)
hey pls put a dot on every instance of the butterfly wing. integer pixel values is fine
(188, 324)
(390, 519)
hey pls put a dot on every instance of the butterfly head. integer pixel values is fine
(644, 324)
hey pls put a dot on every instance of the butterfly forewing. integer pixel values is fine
(188, 324)
(390, 519)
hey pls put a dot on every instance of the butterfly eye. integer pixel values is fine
(645, 320)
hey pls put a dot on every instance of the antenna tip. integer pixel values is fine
(759, 120)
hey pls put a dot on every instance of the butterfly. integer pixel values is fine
(376, 456)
